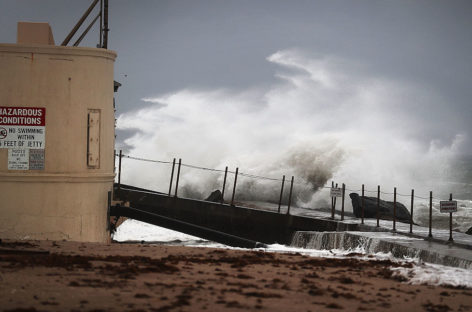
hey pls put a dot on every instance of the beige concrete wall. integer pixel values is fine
(68, 199)
(34, 33)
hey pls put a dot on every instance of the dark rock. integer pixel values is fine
(215, 196)
(469, 231)
(385, 208)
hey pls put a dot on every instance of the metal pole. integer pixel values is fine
(178, 175)
(77, 42)
(224, 186)
(119, 170)
(342, 205)
(362, 210)
(450, 222)
(101, 24)
(430, 214)
(79, 23)
(378, 205)
(281, 192)
(234, 186)
(332, 202)
(411, 210)
(171, 177)
(290, 196)
(394, 208)
(105, 25)
(333, 212)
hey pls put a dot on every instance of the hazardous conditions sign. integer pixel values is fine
(22, 127)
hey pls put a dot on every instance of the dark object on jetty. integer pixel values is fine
(215, 196)
(469, 231)
(385, 208)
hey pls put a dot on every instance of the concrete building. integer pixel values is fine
(56, 138)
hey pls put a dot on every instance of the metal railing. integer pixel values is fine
(237, 173)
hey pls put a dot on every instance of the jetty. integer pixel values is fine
(248, 227)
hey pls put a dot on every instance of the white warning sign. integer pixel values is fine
(448, 206)
(18, 159)
(336, 192)
(22, 127)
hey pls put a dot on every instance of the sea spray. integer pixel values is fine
(321, 122)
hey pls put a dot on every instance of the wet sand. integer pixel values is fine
(69, 276)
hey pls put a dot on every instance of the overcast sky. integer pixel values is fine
(167, 46)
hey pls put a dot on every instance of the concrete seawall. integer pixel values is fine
(399, 245)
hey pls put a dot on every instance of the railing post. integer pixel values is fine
(171, 177)
(411, 210)
(119, 170)
(281, 192)
(333, 211)
(234, 186)
(290, 196)
(394, 208)
(224, 186)
(378, 205)
(450, 222)
(332, 202)
(362, 201)
(178, 177)
(430, 235)
(342, 204)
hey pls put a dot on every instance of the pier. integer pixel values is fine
(251, 228)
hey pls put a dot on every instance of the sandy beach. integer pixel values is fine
(71, 276)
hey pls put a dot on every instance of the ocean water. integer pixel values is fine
(420, 273)
(319, 122)
(461, 221)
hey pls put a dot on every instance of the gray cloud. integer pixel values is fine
(165, 46)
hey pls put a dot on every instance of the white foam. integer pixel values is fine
(325, 134)
(434, 274)
(132, 230)
(357, 253)
(462, 219)
(418, 274)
